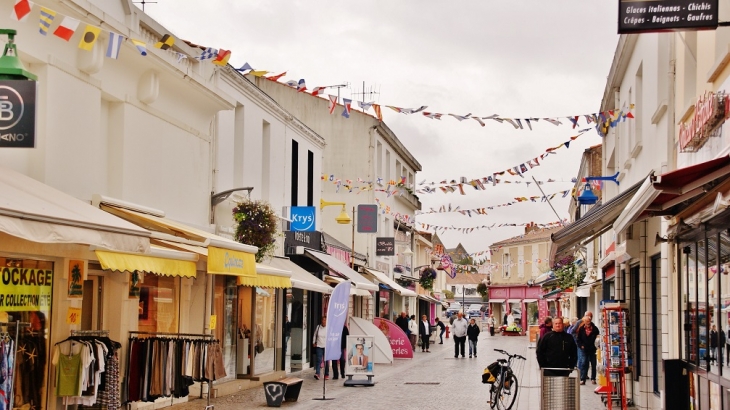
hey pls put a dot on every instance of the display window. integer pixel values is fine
(159, 298)
(224, 309)
(27, 286)
(266, 326)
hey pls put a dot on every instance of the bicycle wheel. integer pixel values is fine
(493, 391)
(507, 393)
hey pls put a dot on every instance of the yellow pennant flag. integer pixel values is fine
(91, 34)
(258, 73)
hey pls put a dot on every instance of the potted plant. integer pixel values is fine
(427, 277)
(256, 225)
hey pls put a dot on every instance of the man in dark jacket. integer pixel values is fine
(586, 338)
(557, 349)
(402, 322)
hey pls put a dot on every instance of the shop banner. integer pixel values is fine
(336, 316)
(229, 262)
(664, 15)
(359, 356)
(25, 289)
(399, 342)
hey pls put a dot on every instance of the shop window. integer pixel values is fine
(724, 303)
(33, 342)
(266, 330)
(704, 314)
(158, 304)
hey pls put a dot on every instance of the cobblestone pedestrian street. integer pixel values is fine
(433, 380)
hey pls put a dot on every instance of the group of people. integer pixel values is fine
(421, 329)
(563, 344)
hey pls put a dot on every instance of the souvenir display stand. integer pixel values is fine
(615, 345)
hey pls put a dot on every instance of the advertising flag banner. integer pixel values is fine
(336, 316)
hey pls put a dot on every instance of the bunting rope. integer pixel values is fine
(468, 230)
(483, 210)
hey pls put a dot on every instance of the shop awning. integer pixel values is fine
(658, 194)
(529, 300)
(583, 291)
(37, 212)
(428, 298)
(498, 301)
(595, 222)
(353, 290)
(266, 277)
(224, 256)
(335, 265)
(159, 261)
(514, 300)
(383, 278)
(552, 294)
(300, 278)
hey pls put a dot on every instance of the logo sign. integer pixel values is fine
(666, 15)
(384, 246)
(303, 218)
(311, 240)
(711, 110)
(367, 218)
(17, 113)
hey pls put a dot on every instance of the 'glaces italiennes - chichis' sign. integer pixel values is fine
(710, 112)
(666, 15)
(17, 113)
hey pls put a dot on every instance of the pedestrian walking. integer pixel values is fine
(491, 324)
(319, 341)
(341, 363)
(557, 349)
(413, 331)
(545, 327)
(713, 342)
(587, 346)
(402, 322)
(459, 327)
(472, 332)
(424, 330)
(442, 326)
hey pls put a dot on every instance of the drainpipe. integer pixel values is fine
(669, 274)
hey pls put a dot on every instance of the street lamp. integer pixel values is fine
(343, 218)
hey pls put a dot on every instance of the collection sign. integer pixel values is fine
(17, 113)
(638, 16)
(367, 218)
(384, 246)
(711, 110)
(25, 289)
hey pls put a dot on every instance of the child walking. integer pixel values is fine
(472, 333)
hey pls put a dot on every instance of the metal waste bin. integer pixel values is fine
(559, 392)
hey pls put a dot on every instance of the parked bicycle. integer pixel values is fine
(500, 375)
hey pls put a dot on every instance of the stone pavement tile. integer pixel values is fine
(429, 381)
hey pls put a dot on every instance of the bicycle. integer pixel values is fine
(503, 392)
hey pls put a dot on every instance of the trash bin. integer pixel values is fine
(559, 392)
(434, 334)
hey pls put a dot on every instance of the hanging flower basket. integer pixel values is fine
(427, 277)
(482, 289)
(256, 225)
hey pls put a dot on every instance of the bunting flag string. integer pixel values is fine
(68, 26)
(483, 210)
(469, 230)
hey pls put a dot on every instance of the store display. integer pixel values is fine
(616, 351)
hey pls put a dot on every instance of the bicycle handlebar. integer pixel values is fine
(517, 356)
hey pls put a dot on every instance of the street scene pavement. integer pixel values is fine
(433, 380)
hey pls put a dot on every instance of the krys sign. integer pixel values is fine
(17, 113)
(303, 218)
(25, 289)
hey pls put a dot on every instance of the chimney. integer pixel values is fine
(530, 227)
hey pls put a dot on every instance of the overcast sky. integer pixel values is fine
(529, 58)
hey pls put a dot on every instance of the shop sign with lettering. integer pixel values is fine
(711, 110)
(310, 240)
(17, 113)
(25, 289)
(652, 16)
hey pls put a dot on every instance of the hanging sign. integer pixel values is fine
(25, 289)
(367, 218)
(17, 113)
(711, 110)
(213, 322)
(666, 15)
(384, 246)
(303, 218)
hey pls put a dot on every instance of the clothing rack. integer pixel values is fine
(197, 335)
(18, 324)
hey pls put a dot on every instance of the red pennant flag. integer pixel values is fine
(21, 9)
(276, 77)
(629, 115)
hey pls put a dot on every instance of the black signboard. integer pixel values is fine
(17, 113)
(666, 15)
(311, 240)
(367, 218)
(384, 246)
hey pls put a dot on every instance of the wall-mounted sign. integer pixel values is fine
(25, 289)
(384, 246)
(711, 110)
(17, 113)
(77, 275)
(310, 240)
(666, 15)
(367, 218)
(303, 218)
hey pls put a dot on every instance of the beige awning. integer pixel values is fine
(37, 212)
(384, 279)
(353, 290)
(300, 278)
(337, 266)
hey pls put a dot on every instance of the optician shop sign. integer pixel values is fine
(303, 218)
(666, 15)
(17, 113)
(25, 289)
(711, 110)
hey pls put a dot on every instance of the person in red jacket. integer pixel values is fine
(546, 327)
